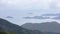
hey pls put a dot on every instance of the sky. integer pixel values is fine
(21, 8)
(30, 4)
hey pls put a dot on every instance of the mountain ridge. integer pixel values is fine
(45, 27)
(10, 27)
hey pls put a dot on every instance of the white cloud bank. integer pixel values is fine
(30, 4)
(27, 4)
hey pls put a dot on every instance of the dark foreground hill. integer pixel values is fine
(45, 27)
(9, 27)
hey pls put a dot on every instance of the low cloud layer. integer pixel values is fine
(46, 16)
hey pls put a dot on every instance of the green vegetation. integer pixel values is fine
(2, 31)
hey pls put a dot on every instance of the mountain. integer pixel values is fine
(45, 27)
(10, 27)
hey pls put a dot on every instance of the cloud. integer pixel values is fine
(37, 17)
(25, 4)
(55, 4)
(30, 4)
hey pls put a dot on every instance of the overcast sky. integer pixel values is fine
(21, 8)
(30, 4)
